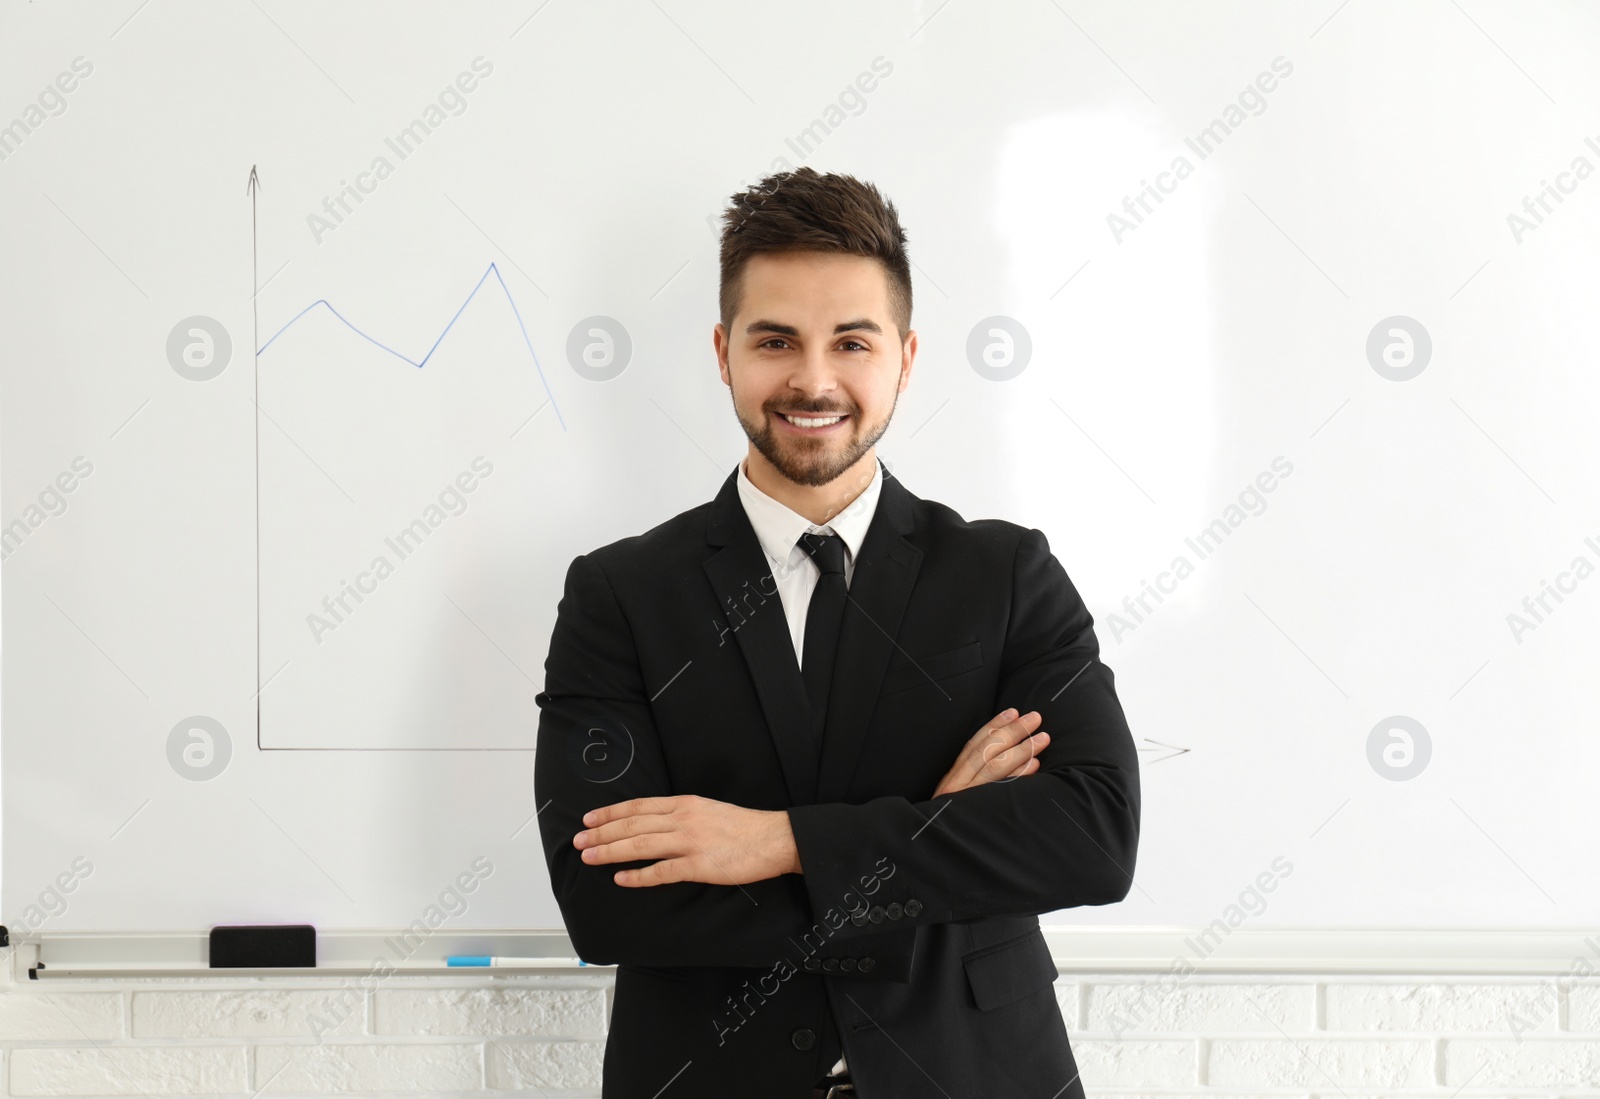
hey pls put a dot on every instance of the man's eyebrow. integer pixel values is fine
(861, 324)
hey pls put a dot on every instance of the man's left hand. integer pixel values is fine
(693, 838)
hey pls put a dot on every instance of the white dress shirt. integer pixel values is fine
(779, 528)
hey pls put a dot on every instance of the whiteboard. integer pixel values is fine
(1298, 304)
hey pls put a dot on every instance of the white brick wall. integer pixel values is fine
(1334, 1036)
(447, 1036)
(1292, 1037)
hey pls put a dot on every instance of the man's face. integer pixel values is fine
(814, 338)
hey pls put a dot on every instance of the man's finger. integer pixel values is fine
(632, 807)
(648, 845)
(657, 873)
(623, 826)
(994, 740)
(1003, 762)
(974, 761)
(1001, 747)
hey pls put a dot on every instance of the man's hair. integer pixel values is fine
(805, 210)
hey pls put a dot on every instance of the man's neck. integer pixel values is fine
(818, 503)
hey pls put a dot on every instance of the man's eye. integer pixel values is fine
(845, 346)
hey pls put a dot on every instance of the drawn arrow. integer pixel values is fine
(1175, 751)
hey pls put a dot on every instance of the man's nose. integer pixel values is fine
(815, 375)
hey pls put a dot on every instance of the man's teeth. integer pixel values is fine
(818, 421)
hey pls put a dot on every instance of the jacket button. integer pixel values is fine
(913, 907)
(893, 910)
(876, 914)
(829, 965)
(867, 964)
(847, 965)
(813, 964)
(859, 919)
(803, 1039)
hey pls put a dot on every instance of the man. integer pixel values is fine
(770, 789)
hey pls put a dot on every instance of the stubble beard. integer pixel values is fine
(813, 462)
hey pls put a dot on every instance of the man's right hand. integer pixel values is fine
(1007, 747)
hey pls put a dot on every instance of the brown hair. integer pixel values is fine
(804, 210)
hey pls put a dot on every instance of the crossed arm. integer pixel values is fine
(699, 839)
(1032, 823)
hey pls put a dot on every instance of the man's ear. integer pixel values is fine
(908, 357)
(719, 345)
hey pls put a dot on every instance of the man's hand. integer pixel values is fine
(695, 839)
(1006, 748)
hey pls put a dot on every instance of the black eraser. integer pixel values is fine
(270, 946)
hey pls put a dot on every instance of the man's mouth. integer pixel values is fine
(813, 422)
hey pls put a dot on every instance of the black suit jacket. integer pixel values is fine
(913, 928)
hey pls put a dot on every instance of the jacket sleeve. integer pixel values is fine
(1063, 836)
(598, 745)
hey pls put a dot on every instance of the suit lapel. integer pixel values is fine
(748, 597)
(880, 586)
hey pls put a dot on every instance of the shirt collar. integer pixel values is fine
(778, 527)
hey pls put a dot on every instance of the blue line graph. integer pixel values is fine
(493, 270)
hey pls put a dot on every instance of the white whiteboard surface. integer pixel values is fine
(1230, 329)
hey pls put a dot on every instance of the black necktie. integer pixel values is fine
(823, 616)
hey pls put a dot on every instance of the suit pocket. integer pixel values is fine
(927, 670)
(1008, 971)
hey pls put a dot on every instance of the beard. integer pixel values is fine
(814, 461)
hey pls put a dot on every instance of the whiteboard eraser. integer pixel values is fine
(273, 946)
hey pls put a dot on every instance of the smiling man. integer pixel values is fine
(774, 789)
